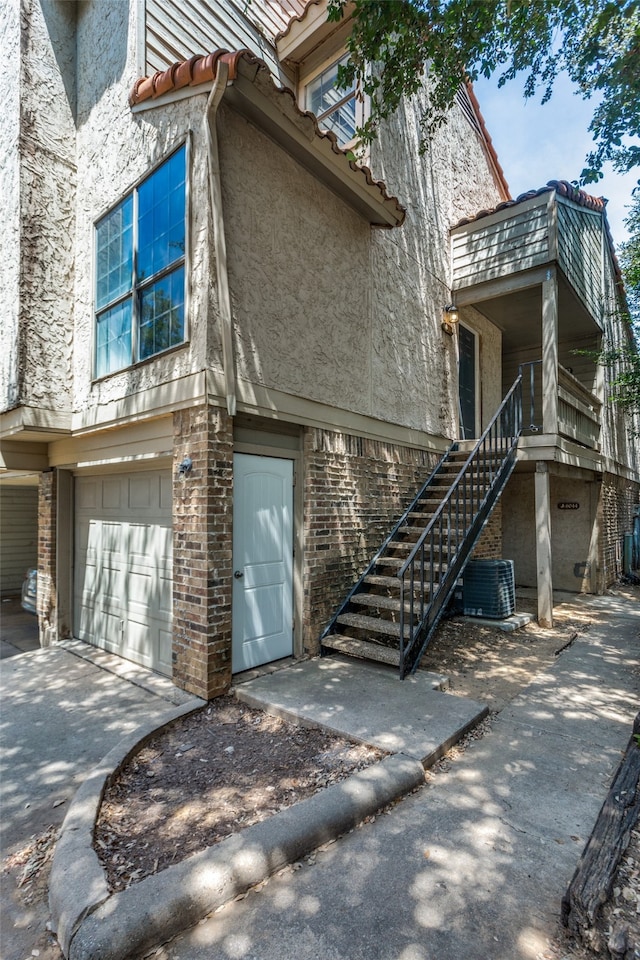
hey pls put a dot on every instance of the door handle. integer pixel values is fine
(238, 574)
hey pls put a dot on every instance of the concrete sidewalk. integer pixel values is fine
(475, 864)
(63, 708)
(415, 721)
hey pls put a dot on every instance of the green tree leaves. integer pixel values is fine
(395, 43)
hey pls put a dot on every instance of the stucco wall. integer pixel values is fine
(115, 150)
(411, 266)
(299, 272)
(325, 308)
(573, 531)
(10, 193)
(47, 196)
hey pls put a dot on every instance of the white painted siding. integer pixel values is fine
(18, 536)
(176, 30)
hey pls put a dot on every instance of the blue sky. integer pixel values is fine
(538, 143)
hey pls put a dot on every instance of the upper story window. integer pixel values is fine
(339, 109)
(335, 108)
(140, 270)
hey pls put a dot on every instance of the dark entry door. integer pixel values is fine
(467, 382)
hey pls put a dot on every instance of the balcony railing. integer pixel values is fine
(579, 411)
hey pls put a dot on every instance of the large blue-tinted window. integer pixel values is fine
(140, 272)
(114, 250)
(113, 339)
(161, 224)
(162, 314)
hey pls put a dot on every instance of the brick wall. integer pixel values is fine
(618, 498)
(355, 491)
(489, 546)
(47, 511)
(202, 545)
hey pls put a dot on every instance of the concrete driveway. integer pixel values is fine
(18, 630)
(63, 709)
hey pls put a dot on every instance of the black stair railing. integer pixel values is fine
(430, 572)
(360, 585)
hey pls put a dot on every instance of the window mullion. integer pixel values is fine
(113, 303)
(149, 281)
(336, 106)
(134, 283)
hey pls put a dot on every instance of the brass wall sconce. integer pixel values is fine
(450, 317)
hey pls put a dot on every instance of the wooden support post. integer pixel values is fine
(550, 353)
(543, 545)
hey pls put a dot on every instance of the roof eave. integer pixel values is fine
(298, 133)
(309, 30)
(252, 91)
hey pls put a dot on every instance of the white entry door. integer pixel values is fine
(262, 560)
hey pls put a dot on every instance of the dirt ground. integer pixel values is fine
(228, 766)
(212, 774)
(492, 666)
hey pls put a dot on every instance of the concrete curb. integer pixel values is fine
(77, 883)
(93, 925)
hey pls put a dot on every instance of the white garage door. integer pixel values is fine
(123, 566)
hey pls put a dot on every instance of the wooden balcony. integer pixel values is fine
(539, 270)
(577, 414)
(579, 411)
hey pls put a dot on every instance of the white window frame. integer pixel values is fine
(361, 100)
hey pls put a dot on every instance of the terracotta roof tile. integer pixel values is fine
(489, 142)
(184, 73)
(298, 18)
(202, 69)
(563, 187)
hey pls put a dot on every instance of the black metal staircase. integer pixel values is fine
(392, 611)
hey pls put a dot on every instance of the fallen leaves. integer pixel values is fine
(209, 776)
(32, 859)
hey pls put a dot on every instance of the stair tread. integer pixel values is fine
(427, 517)
(391, 583)
(364, 649)
(380, 601)
(390, 561)
(399, 561)
(380, 581)
(374, 624)
(415, 528)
